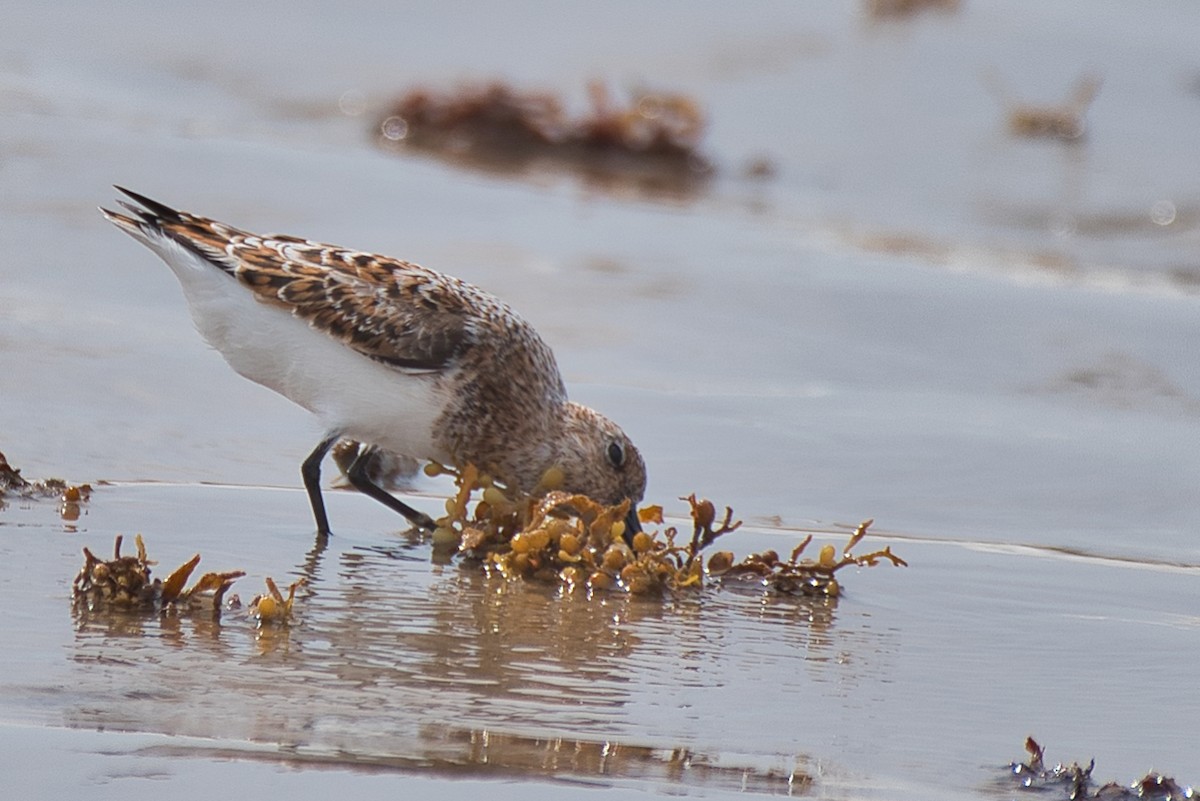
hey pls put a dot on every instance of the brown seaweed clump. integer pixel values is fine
(1066, 121)
(1075, 781)
(652, 142)
(798, 575)
(70, 496)
(124, 582)
(897, 9)
(10, 477)
(573, 540)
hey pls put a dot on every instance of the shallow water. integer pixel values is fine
(919, 682)
(983, 342)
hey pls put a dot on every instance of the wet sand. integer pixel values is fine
(984, 342)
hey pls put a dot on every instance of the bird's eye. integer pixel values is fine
(616, 454)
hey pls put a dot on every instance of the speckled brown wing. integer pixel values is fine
(389, 310)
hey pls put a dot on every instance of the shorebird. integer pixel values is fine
(388, 353)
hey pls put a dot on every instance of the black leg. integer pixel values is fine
(362, 482)
(311, 471)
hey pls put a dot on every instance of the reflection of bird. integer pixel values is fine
(387, 353)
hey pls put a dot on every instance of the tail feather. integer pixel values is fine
(139, 228)
(141, 213)
(164, 229)
(155, 209)
(145, 221)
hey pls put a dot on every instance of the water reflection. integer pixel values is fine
(397, 664)
(452, 752)
(137, 636)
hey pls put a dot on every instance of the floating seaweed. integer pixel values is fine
(271, 608)
(896, 9)
(124, 582)
(70, 496)
(650, 144)
(10, 477)
(797, 575)
(1066, 121)
(573, 540)
(1075, 781)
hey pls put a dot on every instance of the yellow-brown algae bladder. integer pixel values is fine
(580, 543)
(125, 582)
(271, 607)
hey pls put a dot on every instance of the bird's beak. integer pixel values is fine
(633, 525)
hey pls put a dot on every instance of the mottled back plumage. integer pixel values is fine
(388, 309)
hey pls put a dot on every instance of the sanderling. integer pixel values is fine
(388, 353)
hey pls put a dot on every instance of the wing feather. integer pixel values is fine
(389, 310)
